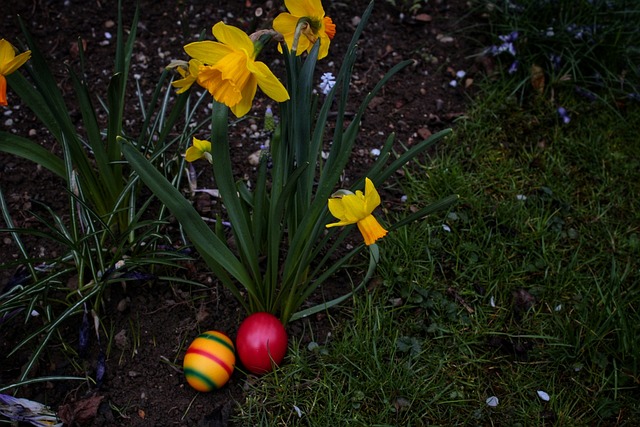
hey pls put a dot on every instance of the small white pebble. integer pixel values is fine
(375, 152)
(8, 122)
(543, 395)
(492, 401)
(453, 83)
(404, 198)
(107, 35)
(460, 74)
(34, 313)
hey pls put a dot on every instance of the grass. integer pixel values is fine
(535, 286)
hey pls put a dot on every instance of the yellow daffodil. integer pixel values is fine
(189, 73)
(230, 72)
(318, 26)
(200, 149)
(356, 208)
(9, 62)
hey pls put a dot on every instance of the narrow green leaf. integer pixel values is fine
(27, 149)
(215, 252)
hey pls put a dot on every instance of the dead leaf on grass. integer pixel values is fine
(537, 78)
(80, 412)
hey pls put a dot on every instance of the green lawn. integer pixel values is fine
(530, 283)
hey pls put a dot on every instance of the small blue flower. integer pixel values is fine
(514, 67)
(556, 61)
(327, 82)
(564, 115)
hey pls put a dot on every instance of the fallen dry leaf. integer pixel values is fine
(423, 17)
(537, 78)
(80, 412)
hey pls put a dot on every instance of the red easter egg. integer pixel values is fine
(261, 342)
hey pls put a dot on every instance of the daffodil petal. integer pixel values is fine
(202, 144)
(208, 52)
(269, 83)
(336, 207)
(183, 84)
(323, 50)
(7, 53)
(15, 63)
(353, 208)
(310, 8)
(248, 93)
(192, 154)
(233, 36)
(371, 196)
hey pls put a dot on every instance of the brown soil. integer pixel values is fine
(143, 384)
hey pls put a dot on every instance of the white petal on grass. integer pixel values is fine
(521, 197)
(543, 395)
(446, 228)
(492, 401)
(558, 307)
(453, 83)
(404, 198)
(375, 152)
(492, 301)
(298, 411)
(460, 74)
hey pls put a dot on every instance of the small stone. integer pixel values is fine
(109, 24)
(424, 133)
(8, 122)
(254, 158)
(444, 39)
(123, 305)
(121, 340)
(32, 132)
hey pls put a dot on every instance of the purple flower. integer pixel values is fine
(513, 67)
(509, 38)
(564, 115)
(556, 61)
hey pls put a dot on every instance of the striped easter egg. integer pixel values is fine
(209, 361)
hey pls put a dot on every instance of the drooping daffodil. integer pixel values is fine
(357, 208)
(189, 73)
(9, 62)
(230, 72)
(199, 149)
(318, 26)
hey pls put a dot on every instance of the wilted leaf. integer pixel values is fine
(537, 78)
(80, 412)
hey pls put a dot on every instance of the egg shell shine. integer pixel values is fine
(209, 361)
